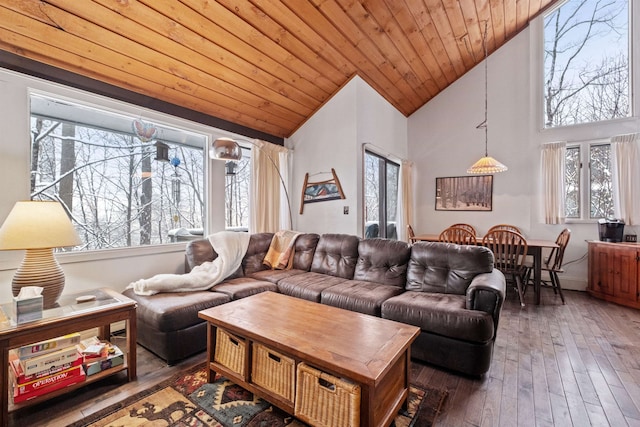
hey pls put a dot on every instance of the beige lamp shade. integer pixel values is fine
(38, 227)
(487, 165)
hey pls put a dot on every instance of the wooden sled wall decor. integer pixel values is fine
(321, 191)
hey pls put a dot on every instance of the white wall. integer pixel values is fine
(444, 141)
(113, 268)
(333, 138)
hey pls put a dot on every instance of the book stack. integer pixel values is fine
(98, 355)
(46, 366)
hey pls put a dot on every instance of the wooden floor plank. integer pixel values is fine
(597, 416)
(492, 402)
(607, 400)
(624, 401)
(560, 410)
(577, 410)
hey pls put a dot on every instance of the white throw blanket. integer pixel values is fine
(231, 248)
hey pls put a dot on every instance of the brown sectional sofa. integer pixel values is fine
(451, 292)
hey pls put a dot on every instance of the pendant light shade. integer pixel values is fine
(225, 149)
(487, 164)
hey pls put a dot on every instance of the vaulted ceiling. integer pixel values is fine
(264, 64)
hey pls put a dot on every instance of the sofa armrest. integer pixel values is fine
(486, 293)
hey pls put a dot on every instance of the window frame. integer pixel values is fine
(382, 181)
(537, 52)
(584, 194)
(113, 106)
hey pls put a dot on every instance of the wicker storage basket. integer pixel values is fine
(325, 400)
(231, 351)
(273, 371)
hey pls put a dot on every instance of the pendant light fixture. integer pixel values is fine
(487, 164)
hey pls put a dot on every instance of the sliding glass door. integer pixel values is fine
(381, 180)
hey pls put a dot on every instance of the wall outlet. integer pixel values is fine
(630, 238)
(345, 210)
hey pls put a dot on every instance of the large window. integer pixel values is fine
(593, 200)
(586, 62)
(380, 196)
(125, 181)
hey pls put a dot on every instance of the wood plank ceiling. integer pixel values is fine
(264, 64)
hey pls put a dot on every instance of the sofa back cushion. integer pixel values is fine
(382, 261)
(258, 246)
(445, 267)
(197, 252)
(305, 248)
(336, 255)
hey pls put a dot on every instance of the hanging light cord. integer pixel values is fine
(486, 91)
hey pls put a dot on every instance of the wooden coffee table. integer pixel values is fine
(371, 352)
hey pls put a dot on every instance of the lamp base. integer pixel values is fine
(40, 268)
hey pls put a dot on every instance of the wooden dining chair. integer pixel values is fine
(469, 227)
(458, 235)
(505, 227)
(553, 264)
(509, 251)
(410, 234)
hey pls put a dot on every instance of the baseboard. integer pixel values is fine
(573, 283)
(117, 327)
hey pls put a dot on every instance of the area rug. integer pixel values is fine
(188, 400)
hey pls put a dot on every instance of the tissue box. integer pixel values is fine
(27, 309)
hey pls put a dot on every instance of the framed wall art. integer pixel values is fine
(464, 193)
(321, 191)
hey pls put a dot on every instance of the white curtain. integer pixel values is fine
(553, 164)
(269, 205)
(625, 177)
(405, 199)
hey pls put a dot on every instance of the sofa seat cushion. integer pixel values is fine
(442, 314)
(274, 276)
(174, 311)
(307, 285)
(242, 287)
(357, 295)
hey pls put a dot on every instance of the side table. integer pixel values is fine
(68, 317)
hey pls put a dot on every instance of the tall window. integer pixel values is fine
(238, 178)
(125, 181)
(380, 196)
(586, 62)
(595, 199)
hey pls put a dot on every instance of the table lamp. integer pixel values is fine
(38, 227)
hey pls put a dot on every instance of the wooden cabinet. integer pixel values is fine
(613, 272)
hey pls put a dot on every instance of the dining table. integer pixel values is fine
(534, 248)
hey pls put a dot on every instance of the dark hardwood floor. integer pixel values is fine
(575, 364)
